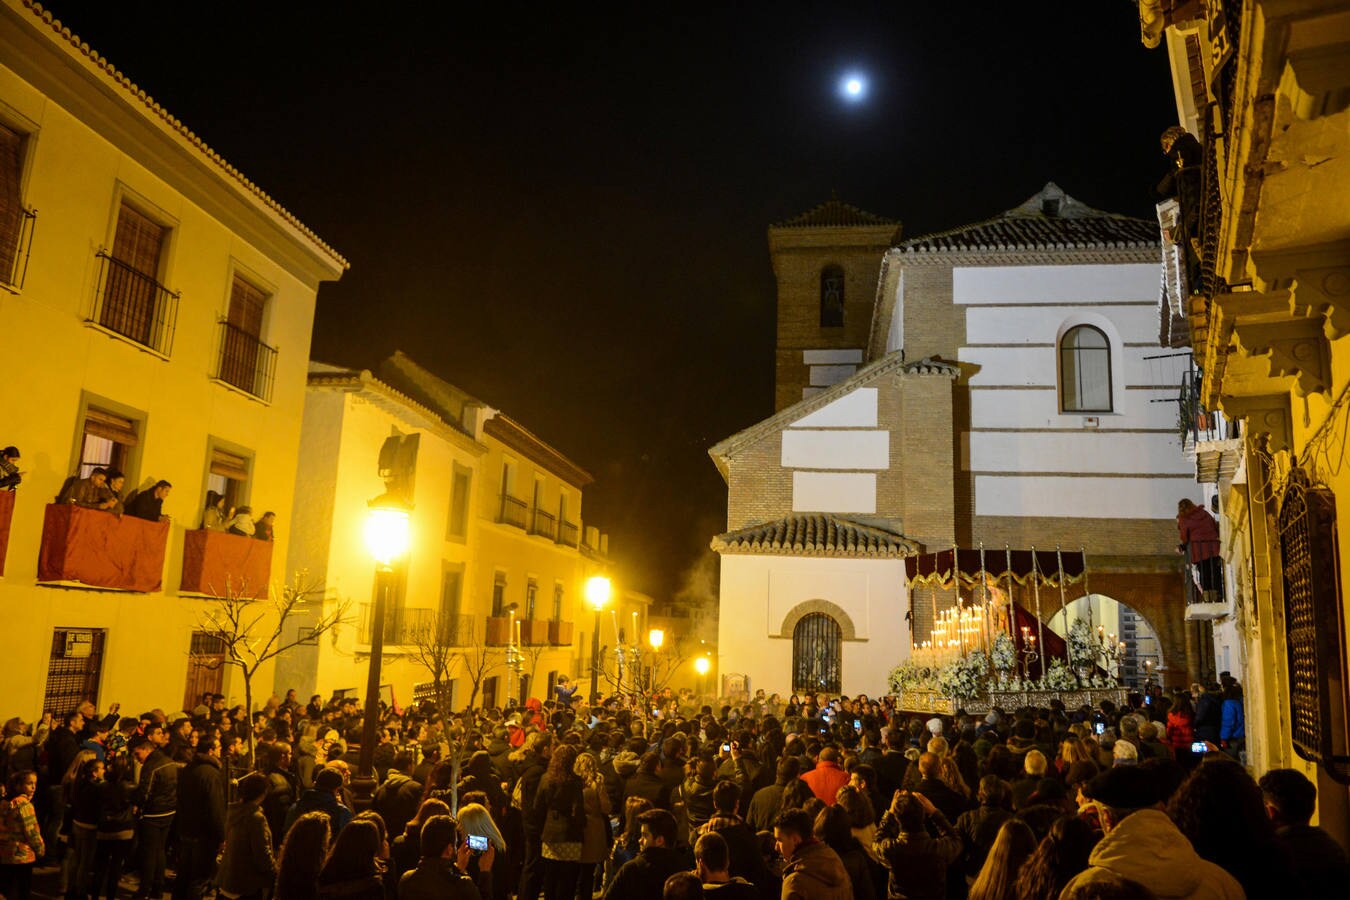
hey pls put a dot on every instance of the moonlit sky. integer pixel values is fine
(564, 212)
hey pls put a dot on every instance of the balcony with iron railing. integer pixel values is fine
(568, 533)
(544, 524)
(1206, 581)
(16, 241)
(132, 304)
(402, 627)
(1207, 435)
(246, 362)
(513, 511)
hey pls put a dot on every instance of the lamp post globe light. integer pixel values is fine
(598, 590)
(387, 534)
(701, 666)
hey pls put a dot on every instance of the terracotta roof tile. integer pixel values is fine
(815, 534)
(835, 213)
(1049, 220)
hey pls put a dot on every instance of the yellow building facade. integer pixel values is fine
(1256, 243)
(157, 312)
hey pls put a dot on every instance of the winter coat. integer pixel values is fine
(648, 787)
(825, 780)
(698, 802)
(917, 863)
(436, 879)
(397, 799)
(815, 872)
(20, 836)
(1234, 724)
(201, 800)
(247, 865)
(978, 828)
(765, 806)
(157, 791)
(315, 800)
(644, 878)
(1180, 731)
(1148, 848)
(1200, 533)
(116, 819)
(1208, 717)
(746, 860)
(559, 812)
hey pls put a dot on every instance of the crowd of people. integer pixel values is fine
(803, 799)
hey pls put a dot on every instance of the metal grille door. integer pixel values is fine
(73, 669)
(817, 654)
(206, 668)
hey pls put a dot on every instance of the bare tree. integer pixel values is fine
(251, 631)
(531, 653)
(479, 660)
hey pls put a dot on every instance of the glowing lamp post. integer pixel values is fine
(656, 638)
(598, 590)
(701, 666)
(387, 539)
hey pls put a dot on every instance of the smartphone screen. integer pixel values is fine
(478, 843)
(1199, 747)
(1100, 727)
(857, 724)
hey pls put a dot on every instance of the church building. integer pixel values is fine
(989, 387)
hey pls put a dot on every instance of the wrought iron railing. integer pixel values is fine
(568, 533)
(134, 305)
(402, 627)
(1195, 422)
(544, 524)
(1204, 572)
(246, 362)
(514, 511)
(15, 244)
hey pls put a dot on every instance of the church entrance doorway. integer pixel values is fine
(817, 654)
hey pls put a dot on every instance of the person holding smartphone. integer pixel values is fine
(443, 871)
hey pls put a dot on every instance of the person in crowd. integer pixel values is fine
(647, 783)
(998, 876)
(627, 843)
(834, 828)
(407, 847)
(742, 843)
(61, 748)
(10, 476)
(1199, 535)
(116, 826)
(560, 815)
(1034, 765)
(476, 819)
(325, 797)
(353, 869)
(980, 826)
(1233, 725)
(281, 793)
(936, 790)
(91, 492)
(529, 764)
(1180, 731)
(658, 858)
(917, 862)
(1319, 863)
(21, 844)
(149, 505)
(682, 886)
(157, 801)
(893, 764)
(214, 516)
(1142, 844)
(1220, 809)
(248, 868)
(397, 796)
(827, 777)
(811, 870)
(242, 522)
(1108, 886)
(564, 691)
(442, 872)
(113, 491)
(712, 863)
(862, 817)
(201, 819)
(303, 851)
(594, 842)
(264, 527)
(85, 798)
(1060, 855)
(1208, 712)
(696, 792)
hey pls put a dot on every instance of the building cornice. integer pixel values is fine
(520, 439)
(1068, 256)
(366, 386)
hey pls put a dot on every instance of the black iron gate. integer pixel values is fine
(73, 669)
(817, 654)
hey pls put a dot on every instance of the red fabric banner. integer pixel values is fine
(100, 549)
(215, 562)
(6, 514)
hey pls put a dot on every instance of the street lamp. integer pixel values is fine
(656, 638)
(387, 538)
(598, 590)
(701, 666)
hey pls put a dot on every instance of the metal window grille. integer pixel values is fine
(514, 511)
(1315, 627)
(817, 654)
(246, 362)
(832, 297)
(134, 305)
(73, 669)
(16, 244)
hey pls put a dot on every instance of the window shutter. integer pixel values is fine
(228, 465)
(138, 241)
(106, 425)
(11, 206)
(246, 307)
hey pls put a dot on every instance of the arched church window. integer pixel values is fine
(1085, 370)
(831, 297)
(817, 654)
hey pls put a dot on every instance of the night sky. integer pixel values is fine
(564, 212)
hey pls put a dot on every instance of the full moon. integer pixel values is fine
(853, 87)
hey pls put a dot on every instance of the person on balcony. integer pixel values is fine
(214, 516)
(262, 529)
(149, 505)
(92, 492)
(242, 523)
(10, 476)
(1200, 542)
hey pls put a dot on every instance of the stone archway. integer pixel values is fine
(1138, 637)
(1158, 597)
(833, 610)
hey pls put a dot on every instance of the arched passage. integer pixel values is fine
(817, 654)
(1141, 651)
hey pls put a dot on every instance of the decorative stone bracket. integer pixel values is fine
(1294, 348)
(1324, 293)
(1268, 418)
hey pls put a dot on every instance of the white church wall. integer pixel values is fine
(1076, 451)
(856, 409)
(1103, 497)
(853, 492)
(1038, 324)
(759, 592)
(1038, 407)
(1055, 284)
(822, 449)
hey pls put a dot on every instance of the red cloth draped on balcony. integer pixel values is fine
(937, 569)
(102, 550)
(6, 514)
(215, 562)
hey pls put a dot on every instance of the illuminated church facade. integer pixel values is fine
(998, 385)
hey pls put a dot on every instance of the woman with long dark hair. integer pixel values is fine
(406, 852)
(998, 877)
(560, 815)
(302, 858)
(834, 828)
(85, 801)
(1061, 855)
(353, 869)
(626, 842)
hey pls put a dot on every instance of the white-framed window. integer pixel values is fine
(1085, 370)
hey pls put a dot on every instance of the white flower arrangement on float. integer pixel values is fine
(1103, 681)
(1059, 678)
(1082, 646)
(1003, 656)
(912, 677)
(963, 677)
(1015, 684)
